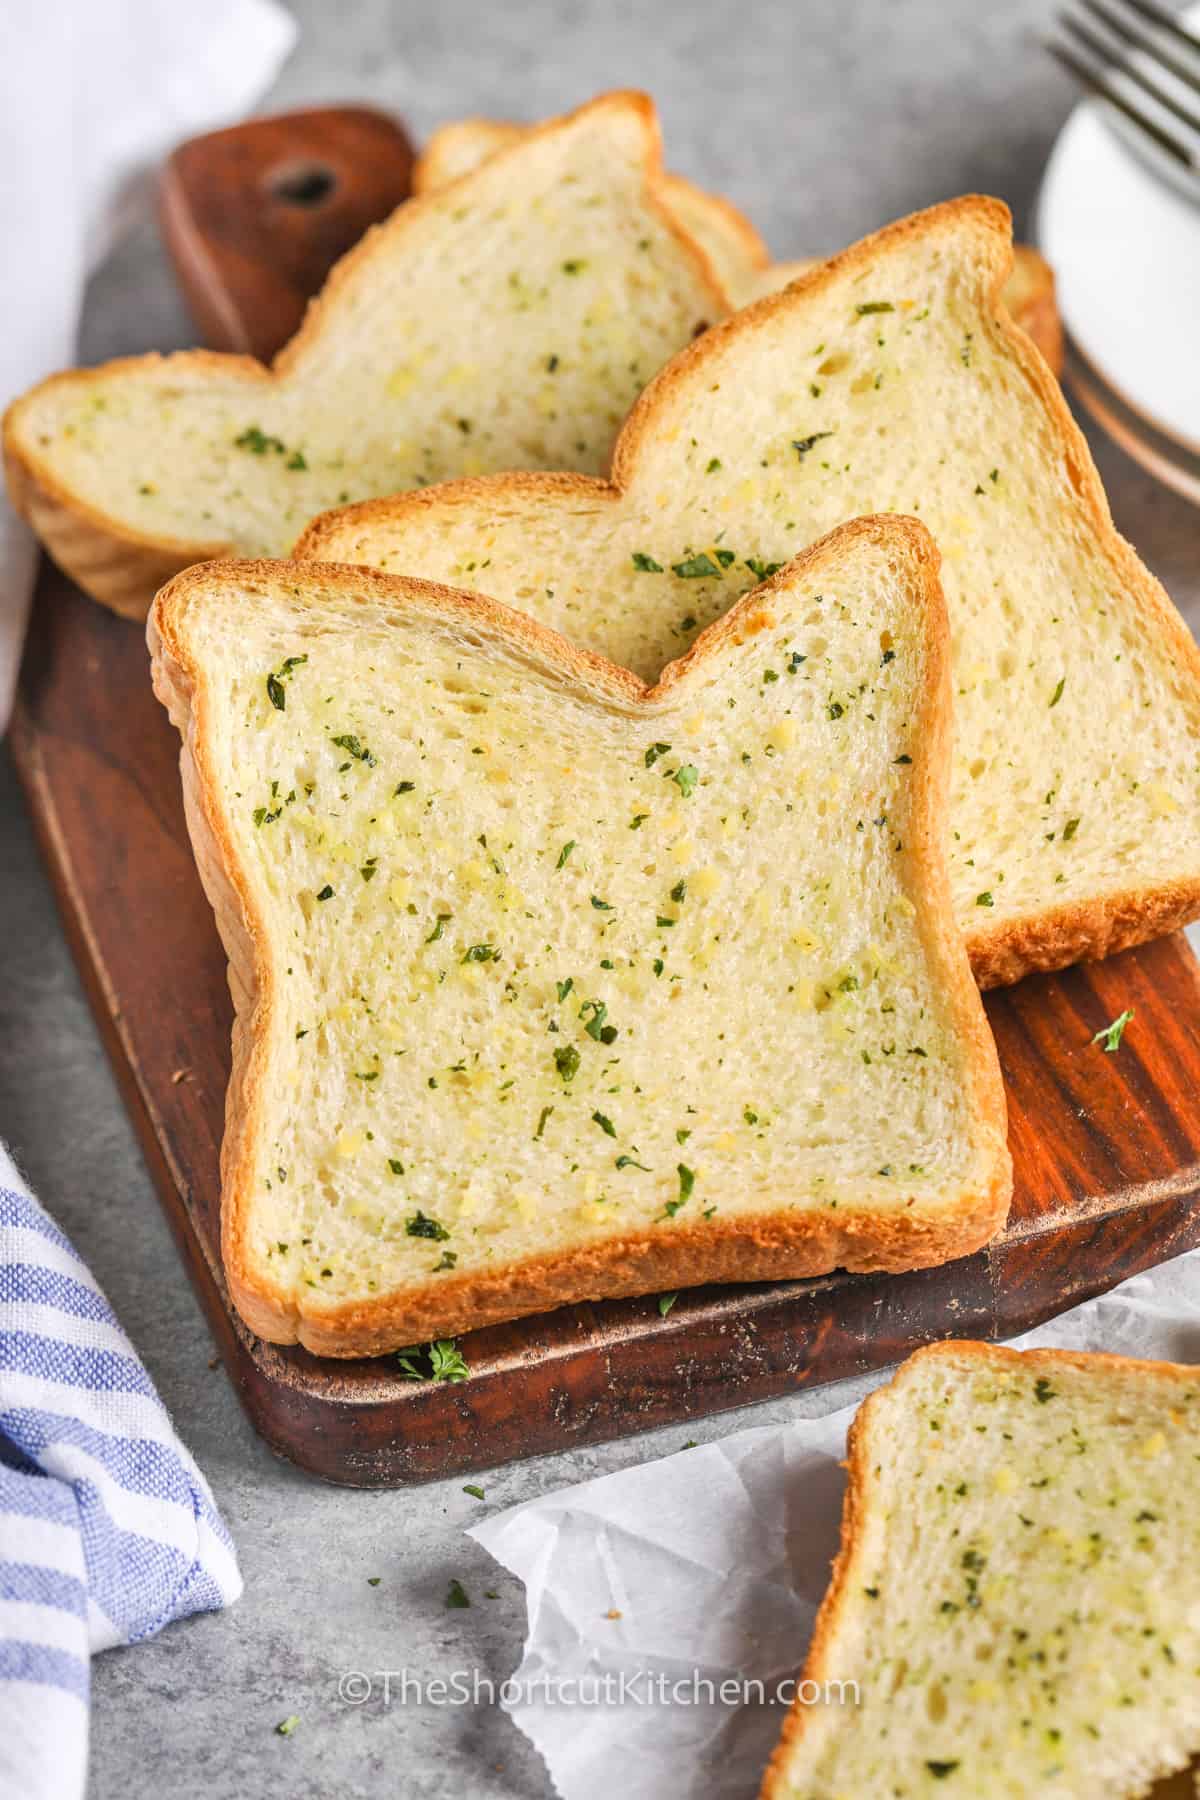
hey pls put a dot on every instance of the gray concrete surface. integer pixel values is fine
(822, 120)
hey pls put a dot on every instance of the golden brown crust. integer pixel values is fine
(770, 1246)
(860, 1478)
(121, 567)
(1005, 951)
(1084, 931)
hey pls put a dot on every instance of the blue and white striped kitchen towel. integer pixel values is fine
(108, 1530)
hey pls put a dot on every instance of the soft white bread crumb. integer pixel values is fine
(507, 322)
(553, 987)
(1018, 1590)
(887, 381)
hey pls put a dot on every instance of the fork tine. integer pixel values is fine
(1137, 35)
(1130, 71)
(1159, 15)
(1097, 82)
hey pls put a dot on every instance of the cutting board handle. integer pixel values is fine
(254, 217)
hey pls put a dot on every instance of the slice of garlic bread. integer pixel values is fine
(733, 246)
(506, 323)
(551, 986)
(1016, 1603)
(887, 380)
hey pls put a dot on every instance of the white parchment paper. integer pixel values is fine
(648, 1589)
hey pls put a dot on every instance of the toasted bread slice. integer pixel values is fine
(1016, 1602)
(734, 248)
(551, 986)
(889, 379)
(505, 323)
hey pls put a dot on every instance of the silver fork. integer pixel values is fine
(1145, 64)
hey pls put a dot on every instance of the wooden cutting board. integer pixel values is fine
(1107, 1148)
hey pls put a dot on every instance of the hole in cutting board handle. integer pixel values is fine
(305, 184)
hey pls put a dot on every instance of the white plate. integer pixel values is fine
(1125, 249)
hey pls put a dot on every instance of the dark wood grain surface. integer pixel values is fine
(1106, 1148)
